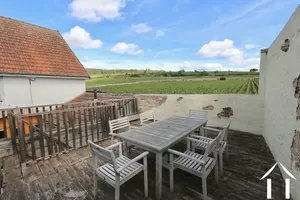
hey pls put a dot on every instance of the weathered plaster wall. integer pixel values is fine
(247, 109)
(18, 91)
(281, 68)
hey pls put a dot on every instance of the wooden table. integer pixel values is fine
(159, 136)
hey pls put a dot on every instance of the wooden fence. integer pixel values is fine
(44, 131)
(124, 107)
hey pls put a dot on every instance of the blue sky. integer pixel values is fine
(160, 34)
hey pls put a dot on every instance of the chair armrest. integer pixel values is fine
(134, 127)
(118, 144)
(114, 145)
(198, 137)
(193, 139)
(132, 161)
(211, 129)
(186, 156)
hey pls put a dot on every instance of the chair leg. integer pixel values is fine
(117, 188)
(188, 145)
(95, 184)
(226, 154)
(204, 186)
(126, 150)
(221, 162)
(145, 177)
(216, 167)
(171, 173)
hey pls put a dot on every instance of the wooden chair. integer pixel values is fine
(194, 163)
(203, 142)
(199, 114)
(146, 117)
(117, 170)
(118, 124)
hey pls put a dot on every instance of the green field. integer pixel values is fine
(181, 82)
(101, 77)
(249, 86)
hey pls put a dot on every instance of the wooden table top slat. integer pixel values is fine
(161, 135)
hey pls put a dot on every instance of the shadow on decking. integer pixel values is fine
(69, 176)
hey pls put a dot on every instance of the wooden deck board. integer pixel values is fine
(69, 176)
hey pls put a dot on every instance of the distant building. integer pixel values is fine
(37, 66)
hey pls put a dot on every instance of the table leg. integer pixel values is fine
(158, 175)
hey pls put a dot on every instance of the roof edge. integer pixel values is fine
(43, 75)
(20, 21)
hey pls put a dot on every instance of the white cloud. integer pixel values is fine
(160, 65)
(96, 10)
(160, 32)
(251, 46)
(188, 66)
(122, 47)
(141, 28)
(214, 48)
(79, 37)
(252, 61)
(223, 49)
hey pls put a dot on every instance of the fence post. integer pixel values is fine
(136, 106)
(12, 128)
(116, 113)
(21, 135)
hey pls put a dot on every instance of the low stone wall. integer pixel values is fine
(244, 111)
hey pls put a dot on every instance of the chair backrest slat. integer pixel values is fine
(118, 124)
(105, 155)
(147, 116)
(213, 145)
(225, 133)
(199, 114)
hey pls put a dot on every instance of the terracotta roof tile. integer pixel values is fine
(30, 49)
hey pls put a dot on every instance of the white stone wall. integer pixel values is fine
(280, 104)
(247, 109)
(17, 91)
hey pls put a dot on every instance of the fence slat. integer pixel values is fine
(33, 150)
(58, 132)
(79, 127)
(12, 128)
(41, 135)
(21, 135)
(85, 126)
(92, 124)
(97, 123)
(50, 125)
(73, 115)
(66, 129)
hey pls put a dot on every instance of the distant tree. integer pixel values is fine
(253, 70)
(180, 72)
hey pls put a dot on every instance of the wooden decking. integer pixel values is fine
(69, 176)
